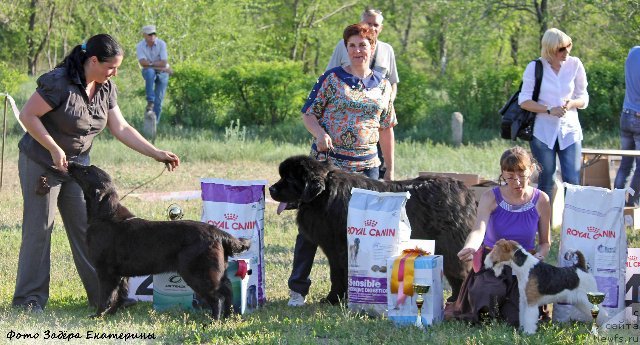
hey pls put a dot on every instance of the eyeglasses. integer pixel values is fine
(518, 178)
(564, 49)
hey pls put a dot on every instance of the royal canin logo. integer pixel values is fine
(370, 222)
(230, 216)
(592, 229)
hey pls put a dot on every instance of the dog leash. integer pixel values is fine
(146, 182)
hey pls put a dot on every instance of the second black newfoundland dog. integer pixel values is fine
(122, 245)
(440, 209)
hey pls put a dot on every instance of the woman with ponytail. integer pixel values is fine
(71, 105)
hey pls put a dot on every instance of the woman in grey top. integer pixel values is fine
(71, 105)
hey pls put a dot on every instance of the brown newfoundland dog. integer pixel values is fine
(440, 209)
(122, 245)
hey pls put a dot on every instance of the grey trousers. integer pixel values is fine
(32, 282)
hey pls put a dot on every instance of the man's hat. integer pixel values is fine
(149, 29)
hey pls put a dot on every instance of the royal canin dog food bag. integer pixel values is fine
(376, 224)
(632, 287)
(593, 224)
(237, 207)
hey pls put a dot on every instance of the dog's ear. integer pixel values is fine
(314, 179)
(513, 245)
(312, 188)
(506, 246)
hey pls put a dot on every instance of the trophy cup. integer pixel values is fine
(595, 298)
(420, 289)
(174, 212)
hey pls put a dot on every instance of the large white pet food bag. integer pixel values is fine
(593, 224)
(237, 207)
(376, 224)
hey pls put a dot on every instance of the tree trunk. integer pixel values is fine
(442, 43)
(513, 42)
(296, 31)
(407, 30)
(542, 16)
(33, 49)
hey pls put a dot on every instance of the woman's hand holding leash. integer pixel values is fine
(170, 159)
(324, 142)
(59, 159)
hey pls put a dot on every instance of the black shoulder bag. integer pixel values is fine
(517, 122)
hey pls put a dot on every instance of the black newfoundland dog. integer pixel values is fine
(122, 245)
(440, 209)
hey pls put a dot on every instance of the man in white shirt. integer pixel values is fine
(152, 56)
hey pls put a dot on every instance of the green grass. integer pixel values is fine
(205, 155)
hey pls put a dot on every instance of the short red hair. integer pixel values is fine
(362, 30)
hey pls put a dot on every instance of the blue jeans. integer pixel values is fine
(155, 85)
(304, 252)
(570, 163)
(629, 140)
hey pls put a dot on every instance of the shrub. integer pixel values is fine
(480, 94)
(193, 88)
(606, 94)
(255, 93)
(265, 92)
(10, 79)
(413, 99)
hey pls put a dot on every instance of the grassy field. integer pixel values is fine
(207, 155)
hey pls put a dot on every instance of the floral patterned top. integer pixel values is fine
(352, 111)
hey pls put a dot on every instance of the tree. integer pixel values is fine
(38, 37)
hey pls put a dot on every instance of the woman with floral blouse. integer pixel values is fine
(348, 111)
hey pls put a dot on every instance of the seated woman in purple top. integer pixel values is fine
(514, 211)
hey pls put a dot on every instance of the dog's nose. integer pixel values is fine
(272, 190)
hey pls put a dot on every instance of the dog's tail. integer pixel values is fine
(582, 263)
(237, 245)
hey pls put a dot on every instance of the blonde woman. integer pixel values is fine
(557, 131)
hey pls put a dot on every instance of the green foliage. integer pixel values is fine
(480, 94)
(257, 93)
(265, 92)
(413, 100)
(235, 133)
(451, 55)
(194, 89)
(606, 94)
(10, 78)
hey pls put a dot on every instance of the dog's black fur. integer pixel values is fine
(121, 245)
(440, 209)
